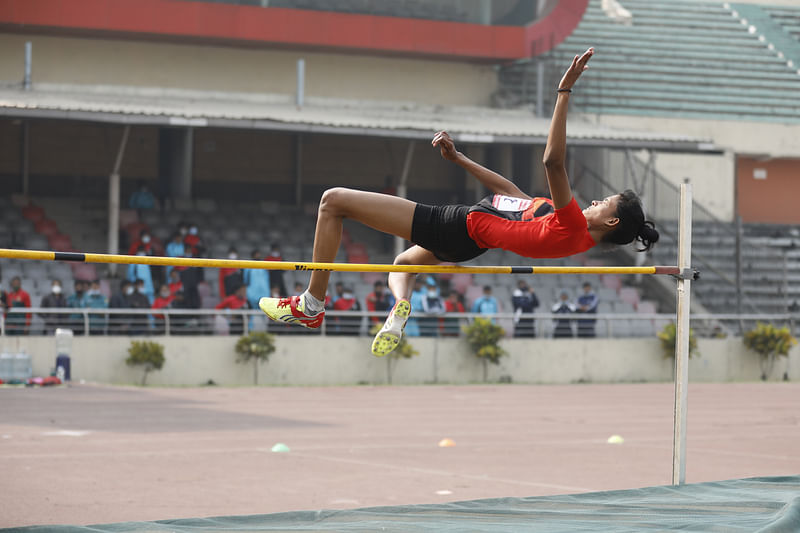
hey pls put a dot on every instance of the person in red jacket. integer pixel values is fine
(230, 278)
(237, 300)
(451, 326)
(346, 325)
(17, 324)
(164, 300)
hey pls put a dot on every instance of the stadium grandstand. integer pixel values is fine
(283, 115)
(212, 128)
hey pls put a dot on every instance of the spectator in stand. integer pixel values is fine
(75, 301)
(257, 281)
(452, 326)
(524, 300)
(139, 300)
(17, 323)
(486, 304)
(193, 241)
(338, 292)
(54, 300)
(237, 300)
(417, 297)
(142, 198)
(163, 301)
(190, 279)
(120, 324)
(587, 304)
(144, 242)
(143, 273)
(175, 283)
(563, 326)
(346, 325)
(276, 276)
(230, 279)
(175, 248)
(94, 299)
(379, 300)
(432, 304)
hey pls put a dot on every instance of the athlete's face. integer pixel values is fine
(602, 212)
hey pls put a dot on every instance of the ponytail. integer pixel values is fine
(632, 226)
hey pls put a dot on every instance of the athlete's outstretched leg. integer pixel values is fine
(386, 213)
(400, 282)
(388, 338)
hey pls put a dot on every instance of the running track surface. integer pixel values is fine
(89, 454)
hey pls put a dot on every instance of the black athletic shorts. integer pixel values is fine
(442, 229)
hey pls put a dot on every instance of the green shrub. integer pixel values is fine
(148, 354)
(257, 347)
(768, 341)
(483, 337)
(667, 338)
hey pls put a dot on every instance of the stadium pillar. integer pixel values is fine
(298, 169)
(175, 155)
(402, 191)
(25, 156)
(505, 162)
(538, 182)
(113, 199)
(486, 12)
(478, 154)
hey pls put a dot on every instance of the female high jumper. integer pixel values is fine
(508, 219)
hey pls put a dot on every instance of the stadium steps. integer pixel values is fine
(772, 30)
(662, 65)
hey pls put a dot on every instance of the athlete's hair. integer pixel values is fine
(632, 225)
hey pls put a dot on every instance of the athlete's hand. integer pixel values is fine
(576, 69)
(446, 145)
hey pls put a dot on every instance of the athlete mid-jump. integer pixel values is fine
(508, 219)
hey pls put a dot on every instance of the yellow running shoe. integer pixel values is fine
(291, 311)
(390, 334)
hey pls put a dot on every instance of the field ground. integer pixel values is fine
(88, 454)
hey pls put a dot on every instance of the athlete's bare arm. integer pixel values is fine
(492, 180)
(555, 153)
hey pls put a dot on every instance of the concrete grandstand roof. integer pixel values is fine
(176, 107)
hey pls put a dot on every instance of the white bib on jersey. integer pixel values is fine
(508, 203)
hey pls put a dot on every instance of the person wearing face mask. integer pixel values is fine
(143, 273)
(524, 300)
(175, 283)
(75, 301)
(193, 241)
(432, 303)
(237, 300)
(144, 242)
(94, 299)
(138, 300)
(230, 278)
(55, 299)
(18, 324)
(345, 325)
(120, 324)
(175, 248)
(164, 300)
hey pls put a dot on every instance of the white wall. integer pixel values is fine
(72, 60)
(301, 360)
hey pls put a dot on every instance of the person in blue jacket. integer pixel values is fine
(257, 281)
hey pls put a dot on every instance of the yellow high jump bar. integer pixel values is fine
(326, 267)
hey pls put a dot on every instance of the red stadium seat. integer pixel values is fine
(34, 213)
(60, 242)
(46, 227)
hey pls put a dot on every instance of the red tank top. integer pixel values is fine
(530, 228)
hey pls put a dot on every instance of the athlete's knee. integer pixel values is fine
(333, 200)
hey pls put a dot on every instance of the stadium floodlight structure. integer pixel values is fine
(683, 272)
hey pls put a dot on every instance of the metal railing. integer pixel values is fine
(135, 322)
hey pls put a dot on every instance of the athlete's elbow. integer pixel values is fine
(552, 162)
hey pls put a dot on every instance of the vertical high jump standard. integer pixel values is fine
(683, 272)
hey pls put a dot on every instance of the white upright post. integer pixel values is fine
(402, 192)
(114, 199)
(682, 337)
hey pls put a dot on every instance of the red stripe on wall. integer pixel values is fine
(318, 29)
